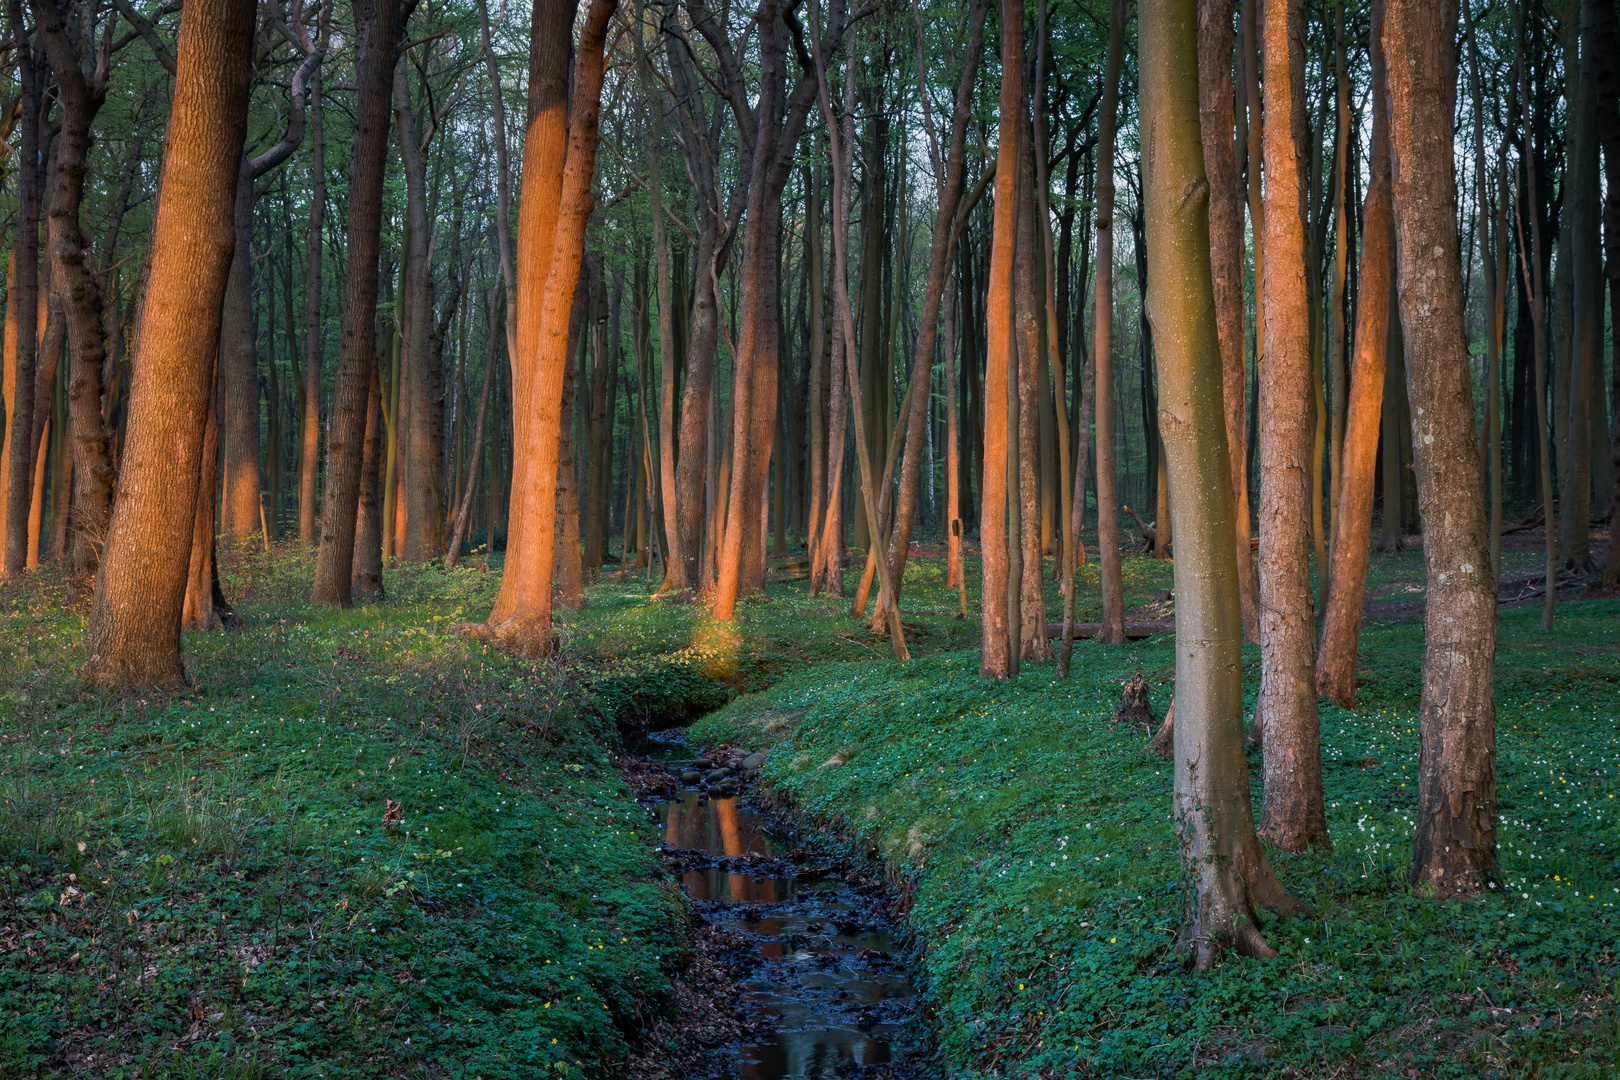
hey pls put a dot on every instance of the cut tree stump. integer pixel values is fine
(1134, 706)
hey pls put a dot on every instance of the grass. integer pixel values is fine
(204, 884)
(1039, 858)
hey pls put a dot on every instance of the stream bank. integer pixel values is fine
(814, 981)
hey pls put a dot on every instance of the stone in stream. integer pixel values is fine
(753, 762)
(691, 777)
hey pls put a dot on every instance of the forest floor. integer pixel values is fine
(209, 883)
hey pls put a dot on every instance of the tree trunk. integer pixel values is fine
(309, 457)
(24, 411)
(133, 635)
(76, 289)
(1113, 587)
(1585, 335)
(419, 468)
(1220, 853)
(1000, 647)
(1217, 121)
(1352, 534)
(1606, 34)
(570, 573)
(1454, 850)
(205, 607)
(1294, 814)
(1029, 315)
(239, 374)
(377, 28)
(367, 583)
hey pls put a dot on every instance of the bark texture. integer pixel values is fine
(1220, 853)
(1454, 851)
(378, 28)
(133, 636)
(1352, 534)
(1294, 814)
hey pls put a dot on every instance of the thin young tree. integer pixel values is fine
(1217, 115)
(133, 635)
(1113, 586)
(1226, 869)
(1352, 533)
(1454, 850)
(1294, 814)
(378, 25)
(999, 641)
(26, 409)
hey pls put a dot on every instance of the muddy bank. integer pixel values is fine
(798, 971)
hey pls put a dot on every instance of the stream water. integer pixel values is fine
(826, 986)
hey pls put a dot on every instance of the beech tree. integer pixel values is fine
(134, 628)
(1454, 850)
(1220, 852)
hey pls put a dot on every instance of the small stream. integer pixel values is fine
(826, 992)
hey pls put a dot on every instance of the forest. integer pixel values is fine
(699, 540)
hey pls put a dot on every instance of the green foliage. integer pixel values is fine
(204, 884)
(1038, 844)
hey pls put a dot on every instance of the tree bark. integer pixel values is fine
(1113, 587)
(559, 161)
(998, 643)
(1454, 850)
(377, 27)
(1294, 814)
(1217, 127)
(309, 456)
(367, 583)
(1352, 534)
(24, 411)
(81, 96)
(1221, 856)
(419, 466)
(133, 635)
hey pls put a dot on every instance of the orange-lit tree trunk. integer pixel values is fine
(310, 422)
(205, 607)
(377, 27)
(998, 643)
(1454, 850)
(1113, 587)
(559, 160)
(1222, 861)
(1352, 533)
(1294, 814)
(25, 410)
(133, 635)
(1218, 125)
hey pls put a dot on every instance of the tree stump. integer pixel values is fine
(1163, 742)
(1134, 706)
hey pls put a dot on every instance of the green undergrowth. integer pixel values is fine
(1045, 890)
(207, 883)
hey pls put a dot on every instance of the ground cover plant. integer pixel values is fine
(1039, 857)
(359, 846)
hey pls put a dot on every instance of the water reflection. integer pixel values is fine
(826, 980)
